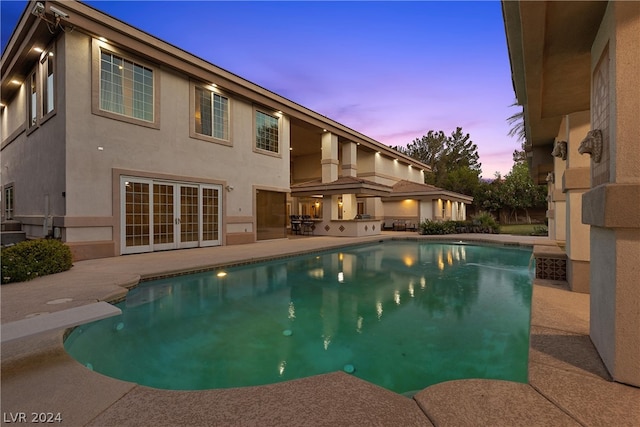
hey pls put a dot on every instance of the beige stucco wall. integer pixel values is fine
(13, 116)
(402, 209)
(385, 170)
(615, 229)
(33, 160)
(168, 151)
(426, 210)
(575, 181)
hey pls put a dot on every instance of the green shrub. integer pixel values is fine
(487, 221)
(434, 227)
(33, 258)
(483, 222)
(540, 230)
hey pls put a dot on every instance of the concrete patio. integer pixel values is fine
(568, 384)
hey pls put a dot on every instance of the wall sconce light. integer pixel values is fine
(592, 145)
(560, 150)
(229, 187)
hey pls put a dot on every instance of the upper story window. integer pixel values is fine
(33, 100)
(41, 90)
(211, 113)
(267, 132)
(126, 87)
(48, 84)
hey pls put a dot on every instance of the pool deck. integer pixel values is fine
(568, 383)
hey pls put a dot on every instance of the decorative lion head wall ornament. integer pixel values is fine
(551, 177)
(560, 150)
(592, 145)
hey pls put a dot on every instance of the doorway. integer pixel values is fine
(162, 215)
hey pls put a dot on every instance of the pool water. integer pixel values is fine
(400, 314)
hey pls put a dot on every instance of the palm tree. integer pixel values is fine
(519, 131)
(516, 121)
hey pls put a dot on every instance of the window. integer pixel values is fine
(126, 88)
(33, 100)
(8, 203)
(48, 88)
(211, 114)
(266, 132)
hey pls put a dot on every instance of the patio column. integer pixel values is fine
(349, 159)
(575, 182)
(349, 206)
(329, 157)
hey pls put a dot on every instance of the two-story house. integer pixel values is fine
(118, 142)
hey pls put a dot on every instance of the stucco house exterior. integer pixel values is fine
(118, 142)
(575, 71)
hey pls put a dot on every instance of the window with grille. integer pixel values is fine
(8, 203)
(211, 114)
(267, 132)
(126, 87)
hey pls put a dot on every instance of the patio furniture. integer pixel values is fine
(296, 224)
(399, 225)
(307, 225)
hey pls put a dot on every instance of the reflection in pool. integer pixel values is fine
(403, 315)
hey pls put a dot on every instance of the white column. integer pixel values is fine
(349, 206)
(329, 157)
(349, 159)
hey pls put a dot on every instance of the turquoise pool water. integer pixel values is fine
(400, 314)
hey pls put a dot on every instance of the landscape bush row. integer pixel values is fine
(483, 222)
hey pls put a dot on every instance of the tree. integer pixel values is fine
(520, 193)
(462, 152)
(518, 127)
(453, 160)
(488, 196)
(463, 180)
(520, 156)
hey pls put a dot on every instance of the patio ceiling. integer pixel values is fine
(550, 50)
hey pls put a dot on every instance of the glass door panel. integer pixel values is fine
(189, 227)
(163, 216)
(136, 232)
(211, 214)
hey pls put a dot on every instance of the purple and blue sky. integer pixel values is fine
(390, 70)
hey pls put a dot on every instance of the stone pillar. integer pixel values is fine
(558, 209)
(329, 157)
(349, 159)
(610, 207)
(575, 182)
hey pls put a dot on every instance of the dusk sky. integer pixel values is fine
(390, 70)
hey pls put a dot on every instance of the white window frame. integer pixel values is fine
(9, 195)
(194, 101)
(32, 99)
(48, 73)
(177, 243)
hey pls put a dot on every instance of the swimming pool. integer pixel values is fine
(400, 314)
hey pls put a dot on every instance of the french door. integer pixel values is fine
(161, 215)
